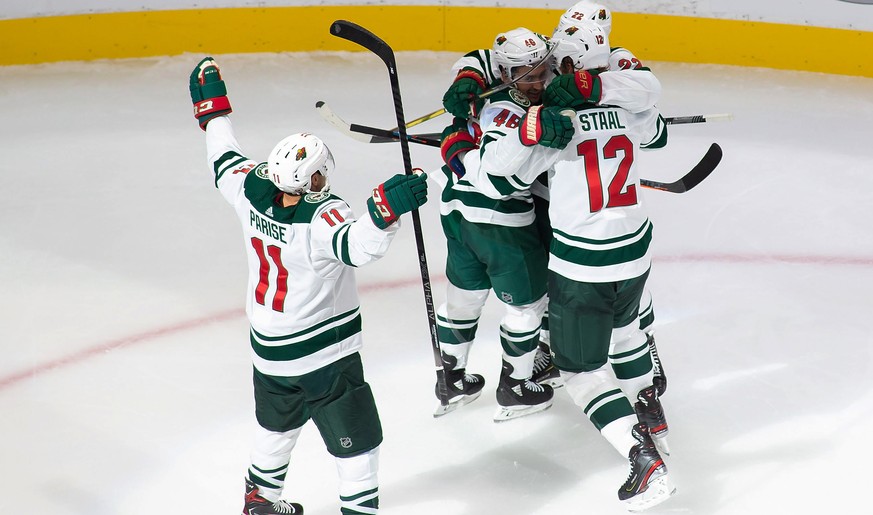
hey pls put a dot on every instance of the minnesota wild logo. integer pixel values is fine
(301, 154)
(261, 171)
(501, 40)
(519, 98)
(315, 197)
(601, 15)
(571, 30)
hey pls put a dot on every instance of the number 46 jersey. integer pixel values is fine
(600, 230)
(301, 298)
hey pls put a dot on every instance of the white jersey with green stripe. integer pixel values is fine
(601, 232)
(461, 200)
(301, 298)
(482, 62)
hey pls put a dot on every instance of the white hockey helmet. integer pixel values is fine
(586, 44)
(519, 47)
(586, 10)
(293, 161)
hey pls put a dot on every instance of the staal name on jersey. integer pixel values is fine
(600, 120)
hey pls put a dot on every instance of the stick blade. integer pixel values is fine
(356, 34)
(705, 167)
(701, 171)
(339, 124)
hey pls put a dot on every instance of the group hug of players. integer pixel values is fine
(539, 204)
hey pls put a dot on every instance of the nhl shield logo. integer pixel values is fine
(301, 154)
(345, 442)
(506, 296)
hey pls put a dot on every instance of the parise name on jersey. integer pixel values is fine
(267, 227)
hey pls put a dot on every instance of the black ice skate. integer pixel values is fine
(257, 505)
(650, 412)
(544, 372)
(520, 397)
(463, 388)
(660, 379)
(647, 483)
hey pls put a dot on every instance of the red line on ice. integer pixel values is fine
(102, 348)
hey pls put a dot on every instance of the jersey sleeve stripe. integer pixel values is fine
(341, 245)
(507, 185)
(660, 138)
(226, 161)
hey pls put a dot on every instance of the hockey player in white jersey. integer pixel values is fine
(619, 59)
(598, 264)
(494, 244)
(478, 71)
(302, 244)
(585, 11)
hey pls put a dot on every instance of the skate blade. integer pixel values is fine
(658, 491)
(453, 405)
(661, 444)
(505, 413)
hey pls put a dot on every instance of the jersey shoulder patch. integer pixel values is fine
(259, 191)
(512, 96)
(261, 171)
(316, 197)
(313, 203)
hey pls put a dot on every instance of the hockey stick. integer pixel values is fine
(698, 118)
(701, 170)
(357, 34)
(368, 134)
(484, 94)
(675, 120)
(371, 134)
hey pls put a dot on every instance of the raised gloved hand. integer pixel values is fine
(466, 88)
(546, 126)
(573, 90)
(208, 92)
(455, 142)
(399, 194)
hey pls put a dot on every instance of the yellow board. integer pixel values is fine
(454, 29)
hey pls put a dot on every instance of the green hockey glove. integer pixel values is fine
(399, 194)
(456, 141)
(466, 88)
(208, 92)
(573, 90)
(546, 126)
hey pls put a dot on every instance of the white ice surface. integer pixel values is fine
(125, 379)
